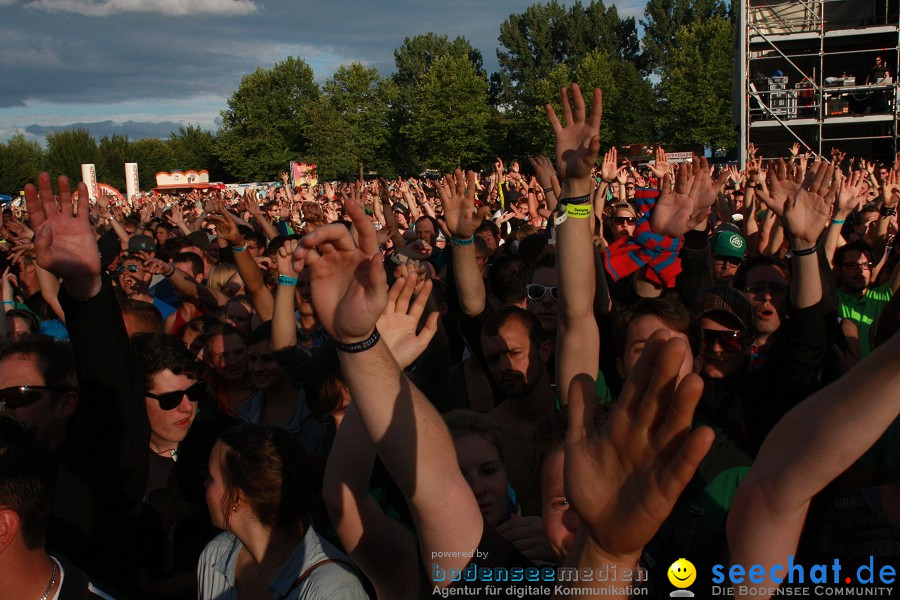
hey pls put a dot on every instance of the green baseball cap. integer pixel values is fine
(730, 244)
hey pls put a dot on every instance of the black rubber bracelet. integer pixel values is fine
(888, 211)
(359, 346)
(548, 190)
(806, 252)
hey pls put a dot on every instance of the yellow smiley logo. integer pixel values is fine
(682, 573)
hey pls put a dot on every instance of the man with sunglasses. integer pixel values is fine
(858, 300)
(728, 251)
(138, 404)
(134, 279)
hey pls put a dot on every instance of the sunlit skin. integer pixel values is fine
(621, 228)
(513, 362)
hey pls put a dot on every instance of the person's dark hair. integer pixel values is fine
(672, 313)
(490, 227)
(461, 422)
(508, 276)
(261, 333)
(434, 222)
(145, 314)
(279, 480)
(500, 317)
(740, 277)
(324, 381)
(200, 325)
(531, 249)
(857, 245)
(27, 316)
(55, 359)
(156, 352)
(547, 261)
(190, 257)
(256, 237)
(27, 473)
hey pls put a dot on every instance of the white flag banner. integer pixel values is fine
(89, 177)
(132, 183)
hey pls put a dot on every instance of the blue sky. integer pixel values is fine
(145, 67)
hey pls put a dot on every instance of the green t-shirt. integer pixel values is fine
(863, 311)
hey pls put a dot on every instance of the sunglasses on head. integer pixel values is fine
(171, 400)
(536, 291)
(624, 220)
(23, 395)
(730, 341)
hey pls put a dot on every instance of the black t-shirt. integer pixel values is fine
(496, 564)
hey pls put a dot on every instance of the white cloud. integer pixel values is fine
(104, 8)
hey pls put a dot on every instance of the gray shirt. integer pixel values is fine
(216, 579)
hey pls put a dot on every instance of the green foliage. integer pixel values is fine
(152, 156)
(20, 162)
(67, 150)
(547, 47)
(195, 148)
(112, 154)
(663, 19)
(331, 143)
(263, 128)
(360, 100)
(696, 86)
(416, 55)
(449, 115)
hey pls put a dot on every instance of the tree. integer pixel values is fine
(263, 128)
(112, 154)
(696, 86)
(362, 98)
(416, 55)
(193, 147)
(20, 162)
(331, 145)
(449, 116)
(67, 150)
(152, 156)
(663, 19)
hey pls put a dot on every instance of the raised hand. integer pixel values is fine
(400, 320)
(458, 197)
(623, 481)
(349, 285)
(545, 173)
(848, 197)
(176, 214)
(890, 191)
(578, 143)
(660, 166)
(609, 170)
(795, 149)
(64, 242)
(681, 209)
(781, 186)
(807, 211)
(226, 228)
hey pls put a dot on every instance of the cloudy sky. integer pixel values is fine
(145, 67)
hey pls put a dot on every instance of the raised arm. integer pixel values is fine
(249, 271)
(349, 289)
(807, 449)
(458, 197)
(577, 145)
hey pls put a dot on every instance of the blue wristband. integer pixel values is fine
(838, 221)
(239, 248)
(462, 242)
(285, 280)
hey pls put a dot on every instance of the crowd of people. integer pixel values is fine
(435, 387)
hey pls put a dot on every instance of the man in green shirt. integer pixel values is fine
(858, 301)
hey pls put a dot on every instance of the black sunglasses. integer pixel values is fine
(730, 341)
(731, 260)
(536, 291)
(624, 220)
(171, 400)
(23, 395)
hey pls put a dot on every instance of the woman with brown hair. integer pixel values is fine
(262, 490)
